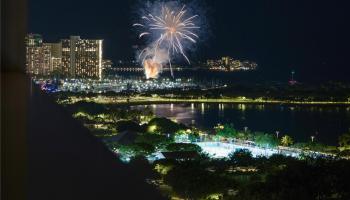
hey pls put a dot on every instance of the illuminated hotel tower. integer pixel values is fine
(82, 58)
(56, 56)
(38, 55)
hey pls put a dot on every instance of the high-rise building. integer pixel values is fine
(229, 64)
(56, 56)
(56, 65)
(68, 55)
(107, 64)
(82, 58)
(56, 49)
(46, 67)
(225, 60)
(33, 40)
(73, 57)
(38, 55)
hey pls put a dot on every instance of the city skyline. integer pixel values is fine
(78, 58)
(310, 38)
(72, 58)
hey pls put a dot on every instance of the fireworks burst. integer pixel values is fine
(172, 28)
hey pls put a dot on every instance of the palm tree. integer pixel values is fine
(286, 140)
(344, 140)
(118, 115)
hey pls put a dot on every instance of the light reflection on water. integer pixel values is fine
(298, 121)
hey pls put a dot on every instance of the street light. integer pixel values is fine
(277, 133)
(245, 129)
(278, 149)
(312, 138)
(293, 72)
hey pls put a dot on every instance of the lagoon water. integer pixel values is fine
(326, 123)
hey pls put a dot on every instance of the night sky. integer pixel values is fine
(311, 37)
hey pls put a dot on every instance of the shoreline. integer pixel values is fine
(159, 100)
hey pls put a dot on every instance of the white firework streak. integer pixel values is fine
(172, 29)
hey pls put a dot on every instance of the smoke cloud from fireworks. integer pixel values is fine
(171, 27)
(153, 62)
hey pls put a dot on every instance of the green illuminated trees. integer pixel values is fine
(189, 135)
(164, 126)
(227, 131)
(156, 140)
(183, 147)
(136, 149)
(265, 140)
(135, 115)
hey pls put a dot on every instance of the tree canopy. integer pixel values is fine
(227, 131)
(265, 140)
(90, 108)
(183, 147)
(242, 157)
(164, 126)
(159, 141)
(344, 140)
(127, 125)
(136, 149)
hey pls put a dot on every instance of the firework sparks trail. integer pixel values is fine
(171, 29)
